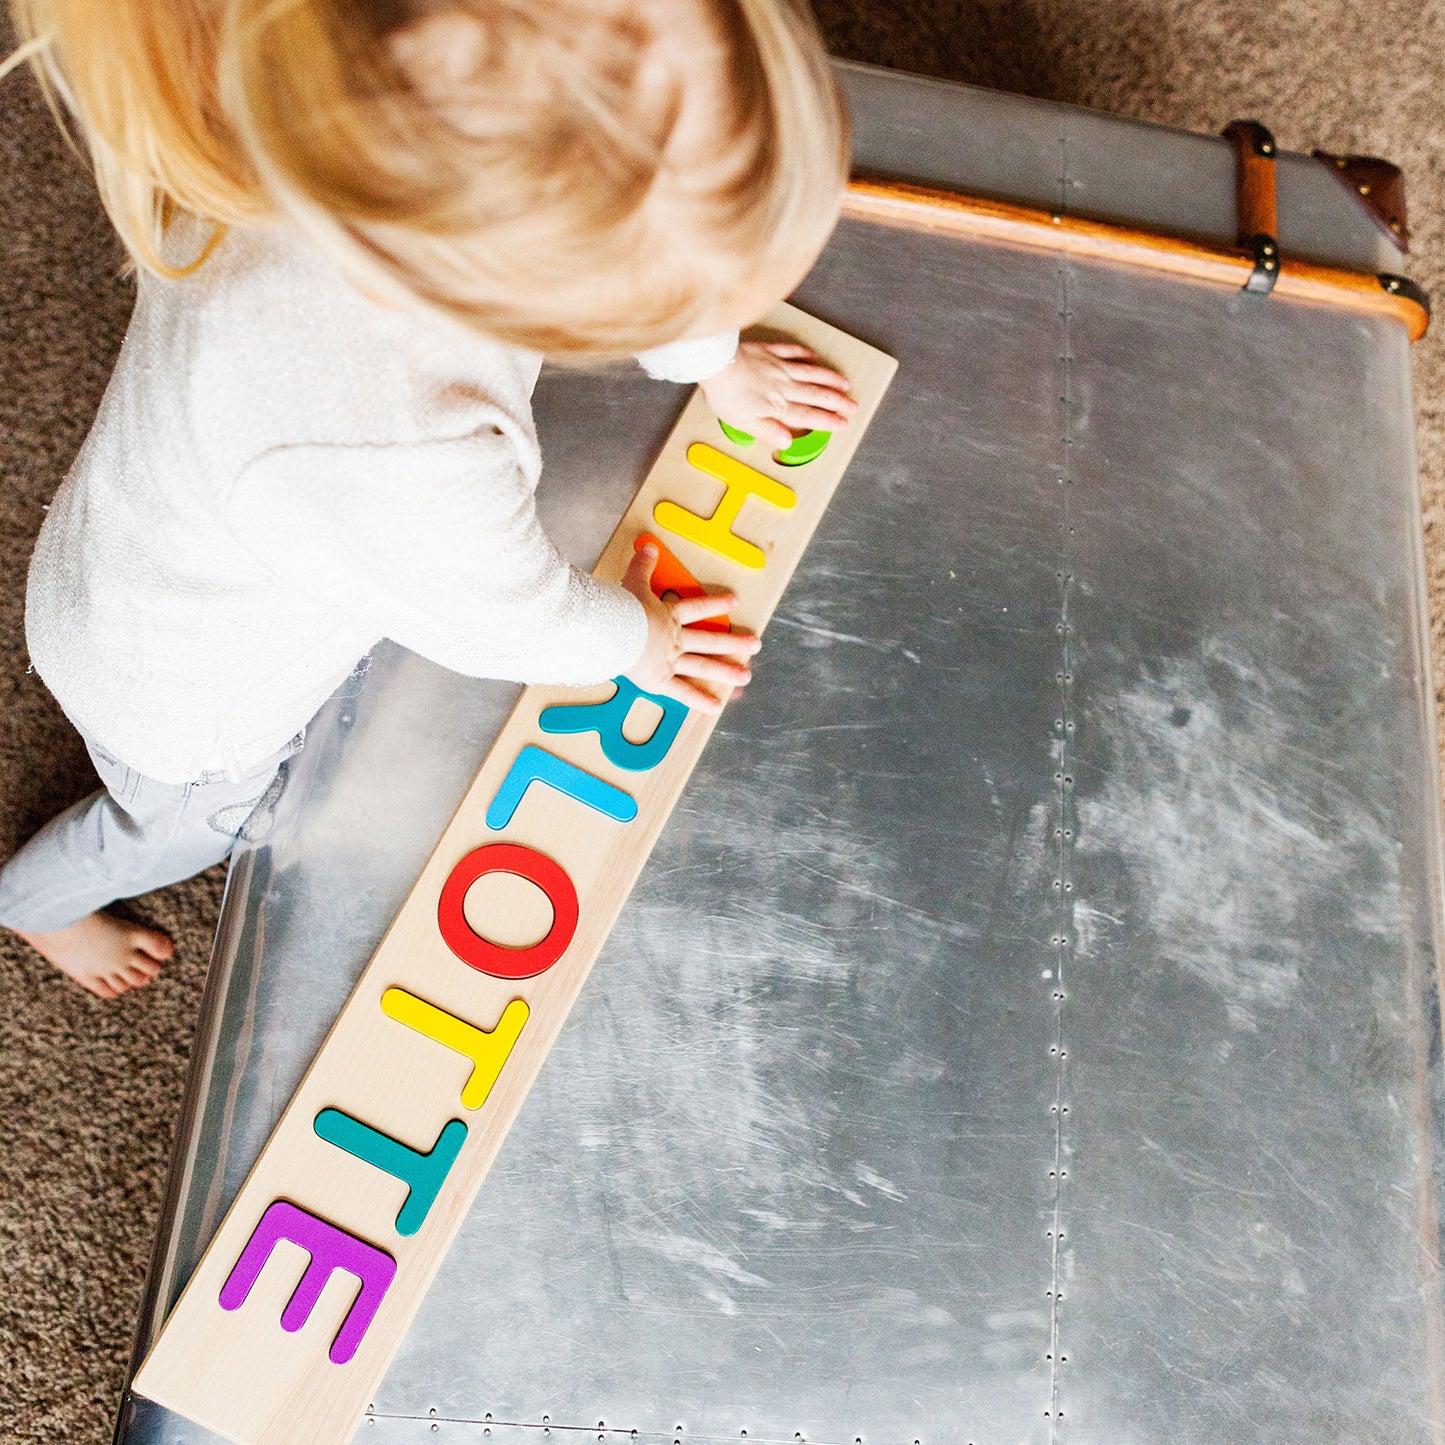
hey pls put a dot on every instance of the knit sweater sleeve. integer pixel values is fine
(435, 544)
(695, 359)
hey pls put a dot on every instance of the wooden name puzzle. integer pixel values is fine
(293, 1314)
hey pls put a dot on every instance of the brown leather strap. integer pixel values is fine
(1256, 211)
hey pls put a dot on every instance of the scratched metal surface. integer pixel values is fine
(1251, 1015)
(1103, 678)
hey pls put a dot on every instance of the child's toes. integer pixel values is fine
(100, 987)
(142, 970)
(154, 946)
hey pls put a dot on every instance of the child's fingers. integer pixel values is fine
(688, 610)
(722, 644)
(772, 433)
(638, 576)
(811, 418)
(791, 351)
(712, 669)
(805, 393)
(689, 695)
(834, 380)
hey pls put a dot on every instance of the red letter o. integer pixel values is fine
(492, 958)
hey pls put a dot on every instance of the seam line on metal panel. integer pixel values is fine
(607, 1433)
(1064, 830)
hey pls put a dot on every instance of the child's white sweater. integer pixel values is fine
(282, 473)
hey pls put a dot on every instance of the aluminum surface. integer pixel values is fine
(1103, 678)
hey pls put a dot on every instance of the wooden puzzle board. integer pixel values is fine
(377, 1158)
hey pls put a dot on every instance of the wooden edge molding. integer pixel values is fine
(927, 208)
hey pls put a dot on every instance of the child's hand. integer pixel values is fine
(772, 389)
(677, 652)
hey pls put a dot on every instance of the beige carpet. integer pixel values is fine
(89, 1091)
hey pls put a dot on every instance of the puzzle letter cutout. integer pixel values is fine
(295, 1311)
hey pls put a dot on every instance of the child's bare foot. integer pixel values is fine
(104, 953)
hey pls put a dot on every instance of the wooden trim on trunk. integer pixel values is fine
(900, 203)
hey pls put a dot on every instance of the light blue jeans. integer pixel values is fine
(131, 836)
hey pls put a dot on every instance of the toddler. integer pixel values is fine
(358, 224)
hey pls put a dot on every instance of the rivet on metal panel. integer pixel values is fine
(432, 1412)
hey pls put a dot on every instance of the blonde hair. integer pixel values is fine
(544, 196)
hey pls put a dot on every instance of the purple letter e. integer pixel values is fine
(330, 1249)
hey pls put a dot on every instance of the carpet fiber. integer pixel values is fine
(89, 1091)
